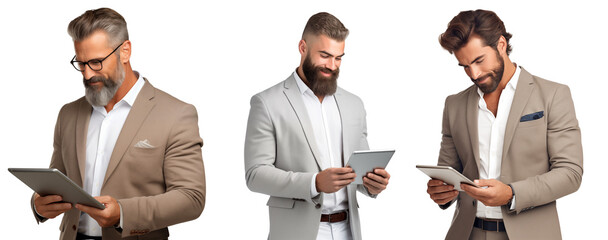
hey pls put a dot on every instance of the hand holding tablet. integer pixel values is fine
(446, 174)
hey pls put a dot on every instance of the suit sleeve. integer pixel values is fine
(448, 156)
(260, 155)
(56, 159)
(184, 177)
(565, 153)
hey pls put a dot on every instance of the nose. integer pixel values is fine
(474, 72)
(88, 72)
(331, 64)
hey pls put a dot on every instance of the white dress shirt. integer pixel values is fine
(327, 127)
(103, 131)
(491, 130)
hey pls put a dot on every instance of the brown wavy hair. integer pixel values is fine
(482, 23)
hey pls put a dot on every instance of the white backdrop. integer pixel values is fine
(217, 54)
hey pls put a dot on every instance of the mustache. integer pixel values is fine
(93, 79)
(334, 72)
(476, 80)
(326, 70)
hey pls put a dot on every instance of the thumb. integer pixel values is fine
(484, 182)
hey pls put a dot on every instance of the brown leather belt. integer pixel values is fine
(335, 217)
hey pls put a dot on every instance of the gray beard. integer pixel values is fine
(103, 96)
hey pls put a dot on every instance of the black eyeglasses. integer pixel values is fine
(94, 64)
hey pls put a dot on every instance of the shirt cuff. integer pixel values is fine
(313, 187)
(120, 222)
(512, 204)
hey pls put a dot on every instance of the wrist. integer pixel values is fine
(512, 196)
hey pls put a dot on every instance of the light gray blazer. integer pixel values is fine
(281, 157)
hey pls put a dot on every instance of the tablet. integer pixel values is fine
(446, 174)
(50, 181)
(363, 162)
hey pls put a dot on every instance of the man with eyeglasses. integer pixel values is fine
(136, 149)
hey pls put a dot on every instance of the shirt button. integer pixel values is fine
(74, 227)
(318, 206)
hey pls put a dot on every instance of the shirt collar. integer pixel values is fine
(134, 91)
(515, 79)
(512, 82)
(130, 97)
(301, 85)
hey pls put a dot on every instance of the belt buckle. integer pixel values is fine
(494, 221)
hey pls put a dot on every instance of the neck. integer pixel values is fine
(507, 74)
(492, 98)
(303, 77)
(127, 84)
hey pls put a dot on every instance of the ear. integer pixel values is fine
(302, 47)
(125, 52)
(502, 45)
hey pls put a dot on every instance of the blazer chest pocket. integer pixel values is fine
(154, 152)
(354, 123)
(280, 202)
(145, 160)
(532, 119)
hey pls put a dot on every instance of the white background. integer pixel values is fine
(217, 54)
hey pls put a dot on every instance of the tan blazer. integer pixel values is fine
(156, 187)
(542, 156)
(281, 157)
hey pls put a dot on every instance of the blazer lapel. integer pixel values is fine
(142, 106)
(295, 99)
(345, 114)
(82, 126)
(522, 94)
(472, 109)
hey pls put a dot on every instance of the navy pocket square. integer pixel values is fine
(532, 116)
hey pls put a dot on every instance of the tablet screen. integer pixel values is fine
(363, 162)
(50, 181)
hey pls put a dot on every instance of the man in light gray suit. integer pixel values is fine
(300, 135)
(516, 134)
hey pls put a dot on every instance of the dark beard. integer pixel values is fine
(495, 77)
(319, 84)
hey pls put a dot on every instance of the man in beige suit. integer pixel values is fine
(300, 135)
(516, 134)
(135, 148)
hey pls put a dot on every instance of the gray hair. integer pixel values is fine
(105, 19)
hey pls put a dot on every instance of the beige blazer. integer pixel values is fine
(281, 157)
(156, 187)
(542, 156)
